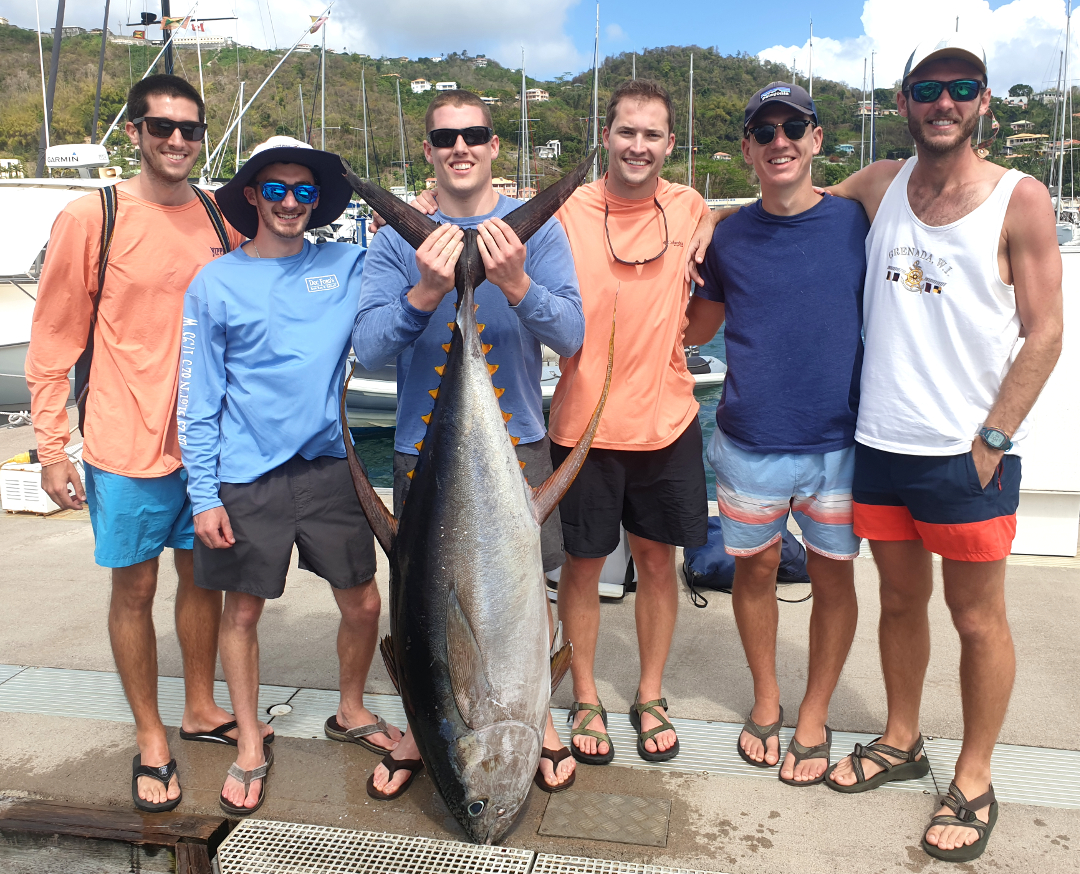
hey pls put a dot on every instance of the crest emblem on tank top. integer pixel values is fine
(914, 279)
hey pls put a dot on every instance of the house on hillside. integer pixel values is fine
(419, 86)
(1036, 142)
(430, 182)
(845, 149)
(479, 61)
(1054, 149)
(303, 49)
(69, 31)
(1021, 101)
(721, 156)
(537, 95)
(1022, 125)
(550, 150)
(390, 76)
(491, 101)
(446, 86)
(502, 185)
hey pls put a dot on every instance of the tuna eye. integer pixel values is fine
(476, 808)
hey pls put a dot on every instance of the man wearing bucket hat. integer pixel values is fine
(785, 436)
(962, 260)
(265, 341)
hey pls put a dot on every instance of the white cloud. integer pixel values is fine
(1022, 40)
(614, 33)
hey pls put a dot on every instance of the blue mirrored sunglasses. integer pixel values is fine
(303, 192)
(960, 90)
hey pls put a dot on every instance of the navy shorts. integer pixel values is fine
(936, 499)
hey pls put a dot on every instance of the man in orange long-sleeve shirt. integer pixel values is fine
(135, 485)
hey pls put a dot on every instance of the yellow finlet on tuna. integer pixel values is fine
(426, 419)
(440, 368)
(499, 392)
(492, 368)
(419, 445)
(480, 327)
(487, 347)
(434, 392)
(445, 347)
(450, 325)
(522, 464)
(410, 474)
(507, 417)
(515, 440)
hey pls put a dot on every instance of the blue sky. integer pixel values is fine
(1022, 37)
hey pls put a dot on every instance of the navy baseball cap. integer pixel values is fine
(780, 92)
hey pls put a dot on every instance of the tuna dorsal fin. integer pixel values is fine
(560, 664)
(413, 225)
(528, 219)
(382, 521)
(547, 496)
(386, 647)
(475, 698)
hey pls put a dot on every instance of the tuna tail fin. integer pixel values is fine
(413, 225)
(528, 219)
(547, 496)
(560, 664)
(382, 521)
(386, 647)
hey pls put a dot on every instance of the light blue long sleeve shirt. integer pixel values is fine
(262, 361)
(388, 326)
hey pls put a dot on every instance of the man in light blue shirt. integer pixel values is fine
(265, 341)
(530, 298)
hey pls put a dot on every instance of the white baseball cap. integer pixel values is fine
(952, 45)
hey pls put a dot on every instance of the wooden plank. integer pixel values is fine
(67, 854)
(192, 859)
(28, 816)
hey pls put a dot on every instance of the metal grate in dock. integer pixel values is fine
(548, 864)
(267, 847)
(1026, 775)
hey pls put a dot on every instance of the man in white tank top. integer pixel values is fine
(962, 259)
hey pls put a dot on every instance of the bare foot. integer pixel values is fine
(155, 754)
(233, 790)
(585, 743)
(405, 749)
(769, 753)
(952, 837)
(363, 716)
(661, 742)
(807, 769)
(555, 777)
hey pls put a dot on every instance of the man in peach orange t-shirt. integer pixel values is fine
(628, 232)
(135, 488)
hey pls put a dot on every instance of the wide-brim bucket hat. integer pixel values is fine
(334, 191)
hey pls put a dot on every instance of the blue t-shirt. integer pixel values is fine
(792, 290)
(262, 363)
(388, 326)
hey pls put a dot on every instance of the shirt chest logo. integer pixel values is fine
(321, 283)
(915, 279)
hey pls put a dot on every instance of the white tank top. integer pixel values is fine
(941, 326)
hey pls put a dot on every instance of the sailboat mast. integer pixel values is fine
(810, 70)
(363, 94)
(690, 130)
(523, 144)
(873, 145)
(596, 99)
(100, 71)
(303, 118)
(401, 131)
(322, 88)
(240, 127)
(862, 112)
(1064, 87)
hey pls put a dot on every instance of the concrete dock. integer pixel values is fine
(54, 615)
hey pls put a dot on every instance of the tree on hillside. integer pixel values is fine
(1020, 90)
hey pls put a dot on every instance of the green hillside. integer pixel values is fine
(722, 85)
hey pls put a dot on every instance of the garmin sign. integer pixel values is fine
(82, 155)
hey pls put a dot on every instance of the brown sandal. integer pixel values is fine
(413, 766)
(555, 757)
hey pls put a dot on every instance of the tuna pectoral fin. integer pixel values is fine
(547, 496)
(473, 694)
(382, 521)
(386, 647)
(560, 664)
(413, 225)
(528, 219)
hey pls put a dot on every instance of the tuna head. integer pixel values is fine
(494, 767)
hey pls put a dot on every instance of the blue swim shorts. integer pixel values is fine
(756, 491)
(135, 519)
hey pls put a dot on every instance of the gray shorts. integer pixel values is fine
(309, 503)
(537, 458)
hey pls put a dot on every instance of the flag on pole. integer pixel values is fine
(174, 23)
(317, 21)
(198, 25)
(138, 34)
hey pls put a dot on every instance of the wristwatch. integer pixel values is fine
(996, 439)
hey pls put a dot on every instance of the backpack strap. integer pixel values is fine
(216, 218)
(82, 366)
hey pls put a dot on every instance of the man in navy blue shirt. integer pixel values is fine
(787, 275)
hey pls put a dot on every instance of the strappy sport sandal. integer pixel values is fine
(358, 735)
(593, 710)
(909, 768)
(413, 766)
(963, 813)
(801, 754)
(653, 708)
(163, 775)
(554, 756)
(247, 778)
(762, 733)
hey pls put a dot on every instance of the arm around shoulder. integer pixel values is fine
(868, 185)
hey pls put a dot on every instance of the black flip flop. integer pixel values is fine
(801, 754)
(261, 772)
(554, 756)
(358, 735)
(163, 775)
(762, 733)
(218, 735)
(413, 766)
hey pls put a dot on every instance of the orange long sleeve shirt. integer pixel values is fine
(131, 406)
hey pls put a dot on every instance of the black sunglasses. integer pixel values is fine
(960, 90)
(793, 130)
(446, 137)
(611, 248)
(162, 128)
